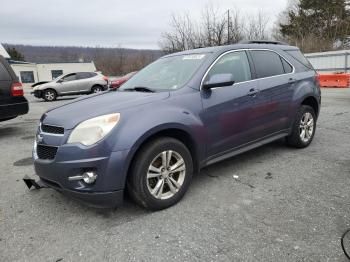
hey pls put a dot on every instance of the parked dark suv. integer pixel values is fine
(12, 101)
(181, 113)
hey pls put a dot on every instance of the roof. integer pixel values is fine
(11, 62)
(3, 52)
(222, 49)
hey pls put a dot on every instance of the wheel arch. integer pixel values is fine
(174, 132)
(311, 101)
(96, 85)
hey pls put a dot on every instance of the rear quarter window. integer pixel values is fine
(4, 75)
(287, 67)
(297, 55)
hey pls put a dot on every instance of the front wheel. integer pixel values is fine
(49, 95)
(304, 128)
(96, 89)
(160, 174)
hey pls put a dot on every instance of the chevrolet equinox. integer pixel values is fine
(179, 114)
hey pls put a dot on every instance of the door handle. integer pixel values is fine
(252, 92)
(291, 80)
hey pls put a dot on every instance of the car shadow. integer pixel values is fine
(57, 100)
(9, 131)
(129, 211)
(256, 155)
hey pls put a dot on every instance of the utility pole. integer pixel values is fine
(228, 26)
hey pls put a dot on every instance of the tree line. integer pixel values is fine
(110, 61)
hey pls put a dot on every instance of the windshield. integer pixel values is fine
(168, 73)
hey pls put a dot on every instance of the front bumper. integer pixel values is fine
(73, 160)
(37, 93)
(93, 199)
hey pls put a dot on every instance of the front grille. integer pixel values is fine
(46, 152)
(52, 129)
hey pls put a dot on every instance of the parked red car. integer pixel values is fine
(118, 82)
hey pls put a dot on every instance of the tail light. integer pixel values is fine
(317, 77)
(105, 78)
(17, 89)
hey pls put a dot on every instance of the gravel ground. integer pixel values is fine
(285, 205)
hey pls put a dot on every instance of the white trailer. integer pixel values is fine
(330, 62)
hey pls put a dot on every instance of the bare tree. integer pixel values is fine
(215, 28)
(257, 27)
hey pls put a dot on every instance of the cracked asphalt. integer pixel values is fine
(271, 204)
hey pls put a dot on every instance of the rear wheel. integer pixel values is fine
(304, 128)
(160, 174)
(49, 95)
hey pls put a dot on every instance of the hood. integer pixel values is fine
(73, 113)
(43, 86)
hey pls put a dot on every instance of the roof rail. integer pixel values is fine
(262, 42)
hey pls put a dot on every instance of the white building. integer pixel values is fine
(30, 73)
(3, 52)
(330, 62)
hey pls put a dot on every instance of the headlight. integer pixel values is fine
(93, 130)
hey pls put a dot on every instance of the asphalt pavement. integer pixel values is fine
(274, 203)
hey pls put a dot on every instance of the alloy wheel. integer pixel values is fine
(49, 95)
(97, 90)
(166, 174)
(306, 127)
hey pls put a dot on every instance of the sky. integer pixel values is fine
(108, 23)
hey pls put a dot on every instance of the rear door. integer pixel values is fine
(84, 81)
(275, 82)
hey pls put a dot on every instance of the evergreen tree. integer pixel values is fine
(318, 25)
(15, 54)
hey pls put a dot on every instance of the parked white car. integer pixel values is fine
(72, 84)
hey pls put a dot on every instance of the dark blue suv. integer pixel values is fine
(179, 114)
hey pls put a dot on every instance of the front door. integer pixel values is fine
(231, 113)
(68, 84)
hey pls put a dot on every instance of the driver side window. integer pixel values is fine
(235, 63)
(70, 77)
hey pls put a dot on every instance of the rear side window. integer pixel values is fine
(300, 58)
(4, 75)
(235, 63)
(83, 75)
(267, 63)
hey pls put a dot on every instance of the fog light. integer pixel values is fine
(89, 177)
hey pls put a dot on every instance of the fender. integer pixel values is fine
(133, 132)
(304, 89)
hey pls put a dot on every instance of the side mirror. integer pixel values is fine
(60, 81)
(219, 80)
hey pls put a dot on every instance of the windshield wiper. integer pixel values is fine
(140, 89)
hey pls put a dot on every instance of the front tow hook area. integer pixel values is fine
(32, 183)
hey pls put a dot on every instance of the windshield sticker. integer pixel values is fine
(193, 57)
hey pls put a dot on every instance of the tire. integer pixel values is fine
(304, 128)
(96, 89)
(49, 95)
(142, 181)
